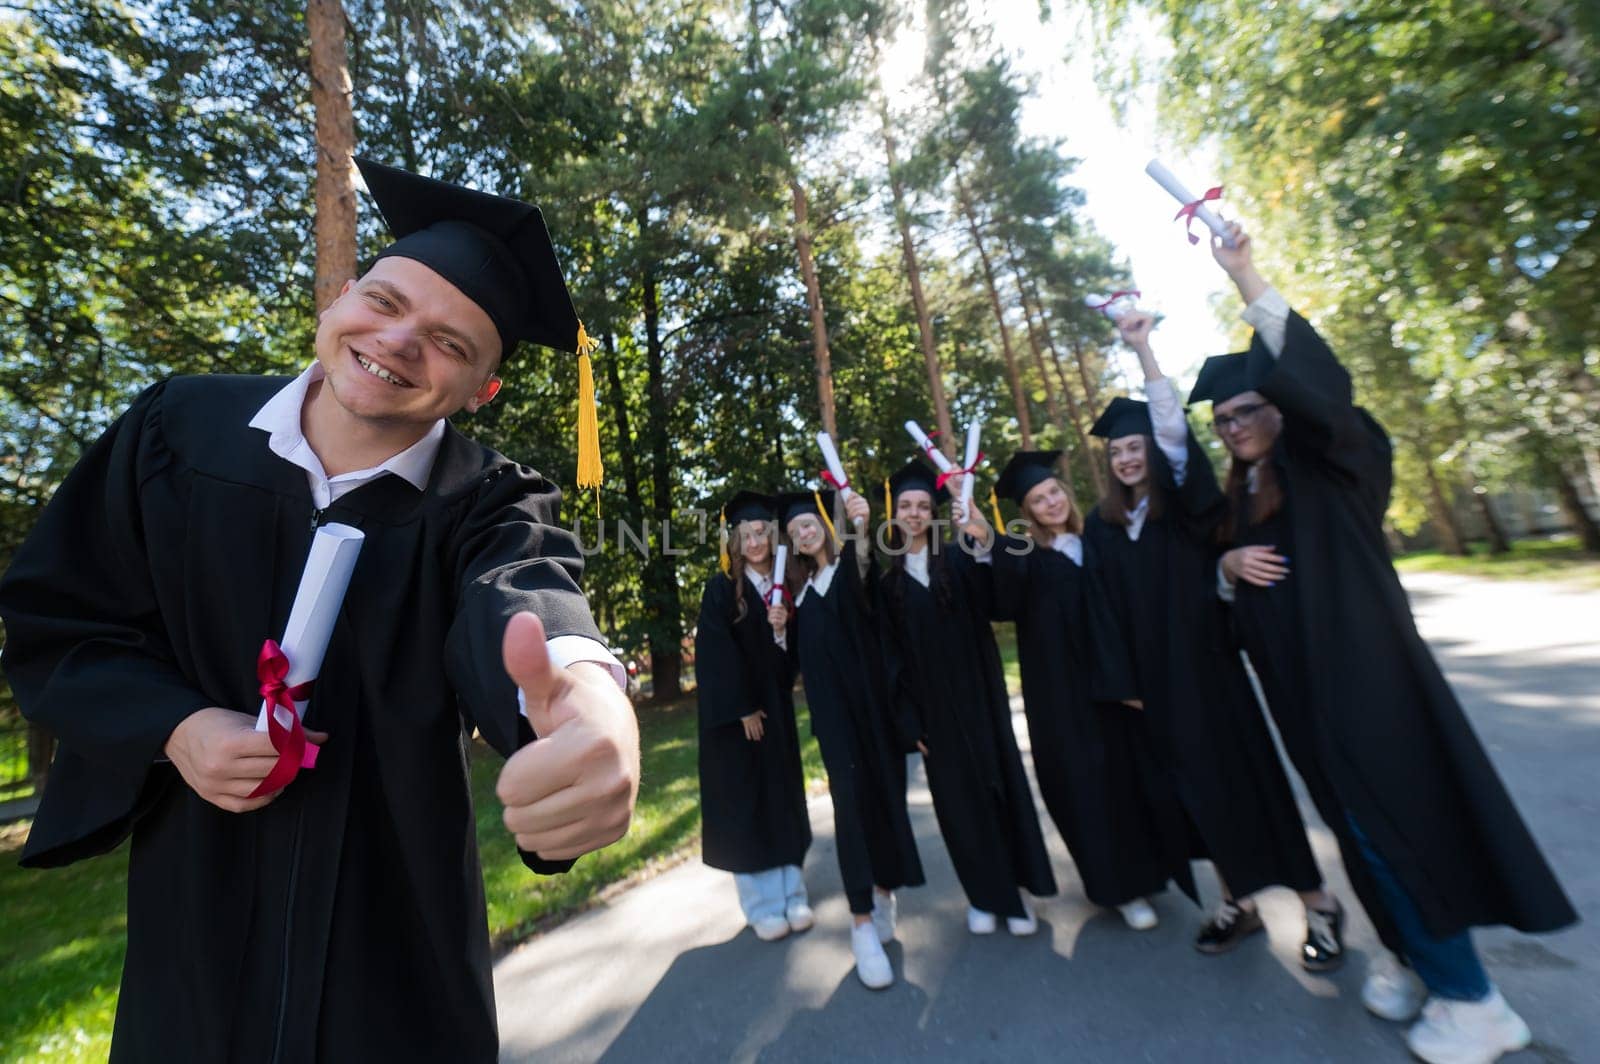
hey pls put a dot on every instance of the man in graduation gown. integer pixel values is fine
(1432, 842)
(753, 814)
(342, 916)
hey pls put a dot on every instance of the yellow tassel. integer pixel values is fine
(888, 501)
(724, 562)
(994, 504)
(825, 518)
(590, 469)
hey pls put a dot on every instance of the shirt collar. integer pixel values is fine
(279, 418)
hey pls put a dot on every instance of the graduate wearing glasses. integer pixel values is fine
(1433, 844)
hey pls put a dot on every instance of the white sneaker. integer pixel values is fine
(800, 917)
(770, 928)
(872, 964)
(1392, 991)
(884, 910)
(1138, 914)
(1023, 925)
(980, 922)
(1467, 1032)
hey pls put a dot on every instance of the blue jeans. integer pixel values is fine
(771, 893)
(1448, 967)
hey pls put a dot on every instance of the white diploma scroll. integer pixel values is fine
(334, 549)
(969, 460)
(1180, 192)
(780, 561)
(925, 444)
(830, 455)
(1113, 305)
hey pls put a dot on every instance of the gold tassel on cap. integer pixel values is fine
(724, 562)
(825, 518)
(590, 469)
(994, 504)
(888, 502)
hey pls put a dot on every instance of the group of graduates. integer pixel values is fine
(1149, 744)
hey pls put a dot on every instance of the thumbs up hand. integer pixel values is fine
(572, 789)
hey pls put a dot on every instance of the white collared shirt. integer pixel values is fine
(820, 581)
(1069, 544)
(279, 418)
(917, 565)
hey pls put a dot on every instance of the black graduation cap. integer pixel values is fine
(1123, 417)
(1025, 471)
(497, 251)
(792, 504)
(1221, 378)
(917, 475)
(749, 506)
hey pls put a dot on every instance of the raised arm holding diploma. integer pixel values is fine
(1193, 206)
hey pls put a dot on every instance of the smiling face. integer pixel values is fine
(1248, 425)
(1048, 506)
(404, 347)
(1128, 460)
(913, 509)
(808, 536)
(755, 543)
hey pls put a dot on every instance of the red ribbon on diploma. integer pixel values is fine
(827, 476)
(1134, 292)
(1188, 209)
(779, 590)
(939, 481)
(294, 753)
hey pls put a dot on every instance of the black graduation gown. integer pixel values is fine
(1196, 694)
(752, 794)
(1108, 792)
(863, 750)
(945, 673)
(345, 920)
(1364, 711)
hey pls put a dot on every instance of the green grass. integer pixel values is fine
(1529, 559)
(64, 930)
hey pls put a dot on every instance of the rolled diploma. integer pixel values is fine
(936, 455)
(1115, 311)
(316, 607)
(970, 461)
(1169, 181)
(776, 593)
(831, 457)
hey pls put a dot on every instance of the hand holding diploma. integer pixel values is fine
(223, 758)
(572, 789)
(1235, 257)
(1194, 207)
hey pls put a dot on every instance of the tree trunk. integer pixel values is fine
(1090, 392)
(1013, 372)
(919, 302)
(41, 748)
(1445, 524)
(1494, 529)
(819, 323)
(660, 574)
(336, 142)
(1577, 514)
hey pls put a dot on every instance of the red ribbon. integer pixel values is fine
(780, 590)
(827, 476)
(1188, 209)
(1134, 292)
(294, 753)
(939, 481)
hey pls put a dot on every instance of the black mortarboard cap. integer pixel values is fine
(1123, 417)
(749, 506)
(1025, 471)
(917, 475)
(792, 504)
(1221, 378)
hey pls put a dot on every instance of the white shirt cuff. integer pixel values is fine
(1171, 430)
(567, 650)
(1269, 316)
(1224, 589)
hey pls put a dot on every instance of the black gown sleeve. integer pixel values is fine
(510, 556)
(1009, 571)
(87, 651)
(1113, 674)
(1312, 388)
(905, 707)
(723, 688)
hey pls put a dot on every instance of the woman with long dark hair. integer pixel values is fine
(1154, 534)
(1101, 780)
(752, 789)
(863, 750)
(945, 674)
(1432, 842)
